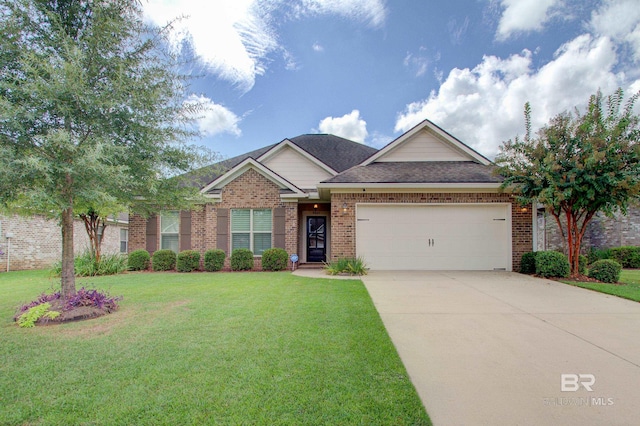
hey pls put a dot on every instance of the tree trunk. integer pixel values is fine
(68, 282)
(95, 227)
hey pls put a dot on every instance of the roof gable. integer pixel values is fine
(296, 165)
(423, 143)
(287, 148)
(290, 189)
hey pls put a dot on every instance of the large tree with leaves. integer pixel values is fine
(92, 116)
(577, 165)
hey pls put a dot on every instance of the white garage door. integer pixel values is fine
(434, 237)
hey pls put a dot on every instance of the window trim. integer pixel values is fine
(125, 240)
(251, 230)
(172, 234)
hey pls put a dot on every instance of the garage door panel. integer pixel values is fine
(437, 237)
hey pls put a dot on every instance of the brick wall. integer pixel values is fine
(249, 190)
(37, 241)
(343, 242)
(602, 231)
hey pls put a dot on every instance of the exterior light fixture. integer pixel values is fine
(344, 208)
(315, 208)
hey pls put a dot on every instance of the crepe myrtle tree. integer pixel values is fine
(577, 165)
(92, 116)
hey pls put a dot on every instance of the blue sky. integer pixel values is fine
(369, 70)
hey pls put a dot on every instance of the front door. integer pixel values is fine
(316, 238)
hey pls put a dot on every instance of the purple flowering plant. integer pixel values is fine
(83, 297)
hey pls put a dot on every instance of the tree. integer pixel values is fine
(92, 116)
(577, 165)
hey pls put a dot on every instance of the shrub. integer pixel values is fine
(595, 254)
(528, 263)
(582, 264)
(241, 260)
(552, 264)
(634, 260)
(349, 266)
(214, 260)
(93, 297)
(188, 261)
(625, 255)
(139, 260)
(163, 260)
(85, 265)
(606, 270)
(275, 259)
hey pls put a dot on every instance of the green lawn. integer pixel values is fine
(205, 348)
(628, 287)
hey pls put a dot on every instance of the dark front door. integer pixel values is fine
(316, 238)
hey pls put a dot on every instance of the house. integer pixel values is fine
(35, 242)
(425, 201)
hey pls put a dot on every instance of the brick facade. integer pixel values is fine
(343, 242)
(249, 190)
(602, 231)
(37, 241)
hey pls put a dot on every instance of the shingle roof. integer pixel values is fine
(336, 152)
(419, 172)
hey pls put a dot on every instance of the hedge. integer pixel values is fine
(528, 263)
(188, 261)
(214, 260)
(606, 270)
(241, 260)
(552, 264)
(275, 259)
(163, 260)
(138, 260)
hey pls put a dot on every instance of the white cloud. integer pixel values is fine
(349, 126)
(418, 63)
(235, 38)
(523, 16)
(620, 20)
(484, 106)
(371, 12)
(214, 119)
(317, 47)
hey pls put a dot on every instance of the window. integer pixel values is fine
(251, 229)
(124, 240)
(169, 228)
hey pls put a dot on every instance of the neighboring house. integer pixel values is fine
(36, 242)
(602, 232)
(425, 201)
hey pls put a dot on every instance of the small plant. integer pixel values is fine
(214, 260)
(606, 270)
(138, 260)
(275, 259)
(92, 297)
(188, 261)
(85, 265)
(552, 264)
(528, 263)
(28, 319)
(241, 260)
(163, 260)
(349, 266)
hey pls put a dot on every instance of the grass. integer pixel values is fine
(627, 288)
(206, 348)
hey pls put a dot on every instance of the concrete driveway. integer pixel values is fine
(490, 348)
